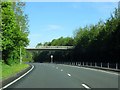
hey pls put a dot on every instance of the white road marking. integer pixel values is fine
(61, 70)
(68, 74)
(85, 86)
(17, 79)
(98, 70)
(56, 67)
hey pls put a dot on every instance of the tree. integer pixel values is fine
(99, 41)
(93, 43)
(44, 56)
(14, 35)
(39, 44)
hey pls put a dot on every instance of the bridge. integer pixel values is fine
(51, 48)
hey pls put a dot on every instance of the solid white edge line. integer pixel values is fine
(85, 86)
(17, 79)
(68, 74)
(100, 70)
(93, 69)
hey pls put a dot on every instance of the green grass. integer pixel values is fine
(7, 71)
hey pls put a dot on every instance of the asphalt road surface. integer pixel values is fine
(65, 76)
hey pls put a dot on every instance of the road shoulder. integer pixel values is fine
(12, 78)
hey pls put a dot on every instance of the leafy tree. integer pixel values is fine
(14, 31)
(99, 41)
(28, 57)
(93, 43)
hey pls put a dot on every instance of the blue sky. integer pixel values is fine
(50, 20)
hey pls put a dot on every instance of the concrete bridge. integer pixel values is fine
(50, 48)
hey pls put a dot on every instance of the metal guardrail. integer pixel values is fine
(64, 47)
(51, 48)
(101, 65)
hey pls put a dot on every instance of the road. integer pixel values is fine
(64, 76)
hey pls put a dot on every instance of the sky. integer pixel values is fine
(51, 20)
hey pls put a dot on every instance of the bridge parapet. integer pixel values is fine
(51, 48)
(54, 47)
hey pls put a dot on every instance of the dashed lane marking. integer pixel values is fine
(85, 86)
(69, 75)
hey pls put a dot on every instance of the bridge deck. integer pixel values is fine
(51, 48)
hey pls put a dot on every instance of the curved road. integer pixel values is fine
(64, 76)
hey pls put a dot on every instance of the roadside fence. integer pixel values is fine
(100, 65)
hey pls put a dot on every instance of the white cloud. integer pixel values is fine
(54, 27)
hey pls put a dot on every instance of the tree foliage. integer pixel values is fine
(93, 43)
(14, 28)
(44, 56)
(67, 41)
(100, 42)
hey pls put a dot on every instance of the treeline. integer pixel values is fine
(14, 31)
(100, 42)
(44, 56)
(67, 41)
(93, 43)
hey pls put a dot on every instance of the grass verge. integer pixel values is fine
(8, 71)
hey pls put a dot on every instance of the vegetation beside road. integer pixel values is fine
(14, 38)
(14, 28)
(93, 43)
(8, 71)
